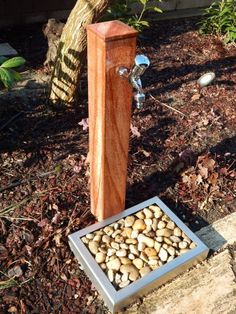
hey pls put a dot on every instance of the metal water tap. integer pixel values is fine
(141, 63)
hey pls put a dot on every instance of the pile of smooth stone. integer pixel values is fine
(137, 244)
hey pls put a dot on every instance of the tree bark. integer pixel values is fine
(71, 51)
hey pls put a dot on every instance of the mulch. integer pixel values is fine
(187, 158)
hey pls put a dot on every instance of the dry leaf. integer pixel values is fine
(84, 123)
(134, 131)
(196, 97)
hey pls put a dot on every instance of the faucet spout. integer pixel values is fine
(134, 76)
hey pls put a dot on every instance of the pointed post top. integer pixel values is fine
(112, 30)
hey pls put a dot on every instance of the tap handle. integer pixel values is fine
(141, 63)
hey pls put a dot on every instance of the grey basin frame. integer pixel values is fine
(118, 299)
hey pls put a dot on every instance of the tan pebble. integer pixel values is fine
(114, 264)
(90, 236)
(159, 239)
(163, 255)
(108, 230)
(85, 240)
(170, 258)
(110, 258)
(131, 256)
(115, 233)
(148, 221)
(153, 258)
(174, 244)
(131, 241)
(115, 245)
(150, 251)
(183, 245)
(138, 262)
(125, 277)
(151, 234)
(119, 239)
(125, 260)
(131, 270)
(110, 275)
(124, 246)
(164, 232)
(158, 214)
(144, 257)
(165, 246)
(165, 218)
(177, 232)
(127, 232)
(134, 234)
(175, 239)
(102, 249)
(192, 245)
(168, 241)
(129, 221)
(161, 224)
(121, 253)
(170, 225)
(133, 249)
(146, 240)
(160, 263)
(153, 262)
(155, 208)
(99, 232)
(157, 246)
(117, 278)
(171, 250)
(140, 215)
(147, 230)
(148, 213)
(106, 239)
(93, 247)
(139, 225)
(121, 222)
(144, 271)
(124, 284)
(154, 224)
(116, 225)
(111, 252)
(183, 235)
(97, 238)
(103, 266)
(100, 257)
(141, 246)
(182, 251)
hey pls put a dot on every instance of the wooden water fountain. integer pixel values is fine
(128, 252)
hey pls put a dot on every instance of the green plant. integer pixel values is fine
(220, 19)
(8, 76)
(122, 10)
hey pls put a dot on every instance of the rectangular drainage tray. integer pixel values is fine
(136, 251)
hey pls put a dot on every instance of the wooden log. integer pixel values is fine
(110, 45)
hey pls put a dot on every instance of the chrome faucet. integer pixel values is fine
(141, 63)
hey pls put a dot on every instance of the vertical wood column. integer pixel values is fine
(110, 45)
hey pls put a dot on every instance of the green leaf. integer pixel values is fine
(6, 78)
(16, 76)
(156, 9)
(13, 62)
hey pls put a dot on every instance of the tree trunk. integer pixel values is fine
(72, 51)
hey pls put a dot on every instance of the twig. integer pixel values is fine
(13, 185)
(167, 106)
(10, 120)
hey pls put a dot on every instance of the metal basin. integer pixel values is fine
(117, 299)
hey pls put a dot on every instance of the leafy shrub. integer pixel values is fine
(8, 76)
(220, 19)
(122, 10)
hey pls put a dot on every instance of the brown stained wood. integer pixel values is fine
(110, 98)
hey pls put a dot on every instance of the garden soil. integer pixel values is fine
(182, 148)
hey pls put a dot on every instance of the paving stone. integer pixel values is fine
(7, 50)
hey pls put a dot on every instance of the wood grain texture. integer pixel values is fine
(110, 98)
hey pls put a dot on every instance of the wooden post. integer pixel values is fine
(110, 46)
